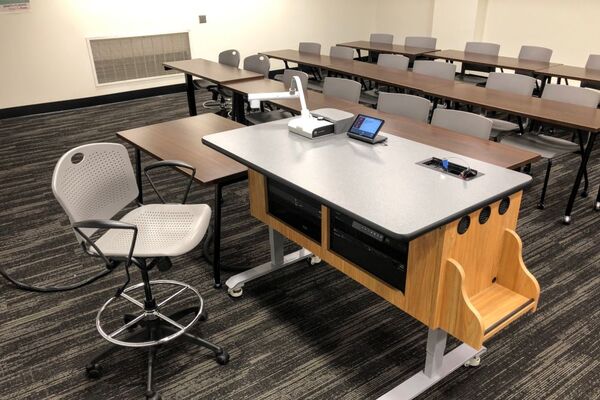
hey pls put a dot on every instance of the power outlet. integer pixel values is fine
(202, 19)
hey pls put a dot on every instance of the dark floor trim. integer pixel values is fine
(89, 101)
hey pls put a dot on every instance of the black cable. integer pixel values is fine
(51, 289)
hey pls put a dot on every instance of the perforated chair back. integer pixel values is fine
(512, 83)
(94, 181)
(593, 62)
(230, 57)
(436, 69)
(463, 122)
(342, 88)
(535, 53)
(385, 38)
(345, 53)
(309, 47)
(288, 75)
(572, 95)
(395, 61)
(405, 105)
(258, 63)
(490, 49)
(425, 42)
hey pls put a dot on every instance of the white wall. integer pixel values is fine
(45, 56)
(404, 18)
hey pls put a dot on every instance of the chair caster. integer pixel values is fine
(223, 357)
(235, 292)
(314, 260)
(93, 371)
(567, 220)
(203, 315)
(584, 194)
(473, 362)
(597, 206)
(541, 206)
(153, 396)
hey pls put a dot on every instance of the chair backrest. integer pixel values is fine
(345, 53)
(258, 63)
(593, 62)
(385, 38)
(346, 89)
(512, 83)
(395, 61)
(490, 49)
(288, 75)
(463, 122)
(94, 181)
(535, 53)
(436, 69)
(406, 105)
(572, 94)
(230, 57)
(425, 42)
(309, 47)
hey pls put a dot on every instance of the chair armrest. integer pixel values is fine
(170, 163)
(104, 224)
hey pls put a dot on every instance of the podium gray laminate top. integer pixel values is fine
(378, 185)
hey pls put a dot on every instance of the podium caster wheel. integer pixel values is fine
(203, 315)
(235, 292)
(314, 260)
(93, 371)
(223, 357)
(473, 362)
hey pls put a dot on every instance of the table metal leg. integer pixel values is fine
(138, 175)
(217, 236)
(582, 167)
(191, 97)
(437, 366)
(237, 108)
(278, 261)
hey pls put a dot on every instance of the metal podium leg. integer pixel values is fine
(278, 261)
(437, 366)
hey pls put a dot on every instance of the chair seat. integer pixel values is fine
(546, 146)
(278, 77)
(203, 83)
(369, 97)
(317, 86)
(164, 230)
(504, 126)
(472, 79)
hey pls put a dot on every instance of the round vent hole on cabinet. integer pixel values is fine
(504, 205)
(484, 215)
(463, 224)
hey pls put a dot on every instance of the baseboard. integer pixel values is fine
(89, 101)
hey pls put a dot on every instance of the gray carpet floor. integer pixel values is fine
(301, 333)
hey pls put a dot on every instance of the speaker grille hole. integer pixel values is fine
(484, 215)
(463, 225)
(504, 205)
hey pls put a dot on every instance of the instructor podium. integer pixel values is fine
(440, 248)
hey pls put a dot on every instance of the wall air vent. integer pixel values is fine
(137, 57)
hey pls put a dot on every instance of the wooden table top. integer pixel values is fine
(387, 48)
(571, 72)
(490, 61)
(181, 140)
(480, 149)
(554, 112)
(212, 71)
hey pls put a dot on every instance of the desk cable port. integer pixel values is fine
(449, 168)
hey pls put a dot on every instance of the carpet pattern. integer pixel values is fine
(301, 333)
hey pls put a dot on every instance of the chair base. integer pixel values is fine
(154, 330)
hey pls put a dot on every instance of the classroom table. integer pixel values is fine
(437, 247)
(209, 70)
(571, 72)
(181, 140)
(491, 60)
(481, 149)
(408, 51)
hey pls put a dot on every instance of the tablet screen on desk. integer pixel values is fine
(366, 126)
